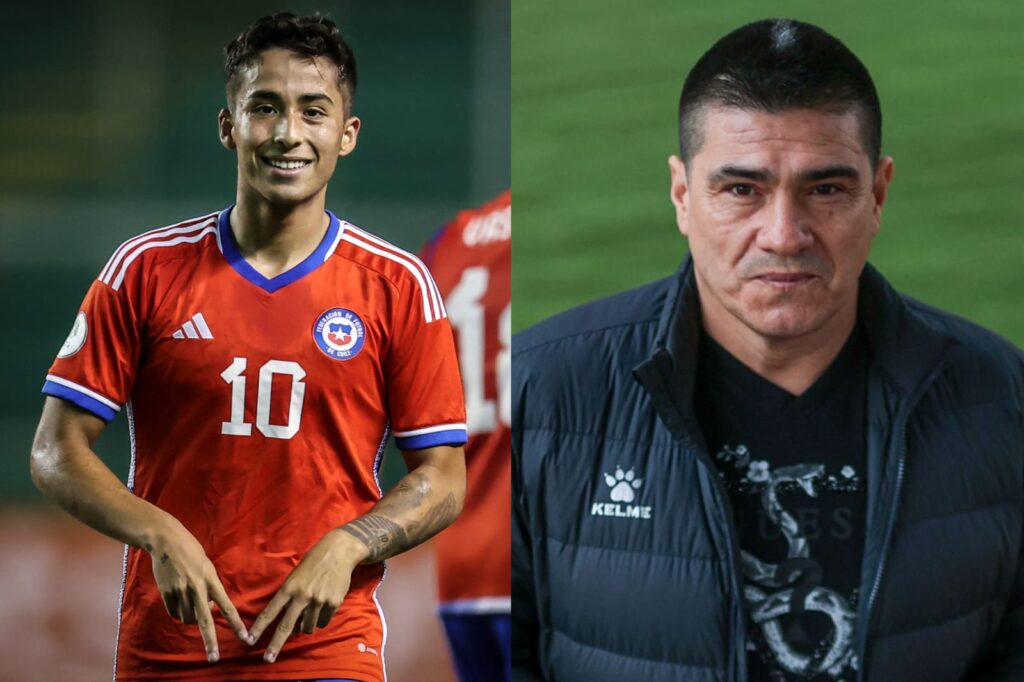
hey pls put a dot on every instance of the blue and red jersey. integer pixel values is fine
(259, 409)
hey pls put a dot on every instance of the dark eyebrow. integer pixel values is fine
(726, 173)
(828, 172)
(303, 99)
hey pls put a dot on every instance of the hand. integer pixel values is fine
(188, 582)
(312, 592)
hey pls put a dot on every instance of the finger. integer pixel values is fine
(220, 598)
(310, 617)
(284, 630)
(206, 627)
(326, 613)
(267, 616)
(188, 606)
(170, 603)
(181, 604)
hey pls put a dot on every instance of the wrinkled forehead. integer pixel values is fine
(793, 137)
(289, 74)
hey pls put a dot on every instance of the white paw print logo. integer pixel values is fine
(623, 483)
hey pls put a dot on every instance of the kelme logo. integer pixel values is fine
(622, 488)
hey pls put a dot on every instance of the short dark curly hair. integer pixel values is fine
(310, 36)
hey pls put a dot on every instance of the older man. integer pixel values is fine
(770, 466)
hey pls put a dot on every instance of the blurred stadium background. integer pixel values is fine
(109, 128)
(595, 89)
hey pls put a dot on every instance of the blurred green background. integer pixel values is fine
(595, 89)
(109, 129)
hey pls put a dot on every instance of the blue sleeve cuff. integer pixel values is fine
(87, 403)
(430, 440)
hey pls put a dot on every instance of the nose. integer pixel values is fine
(285, 130)
(786, 229)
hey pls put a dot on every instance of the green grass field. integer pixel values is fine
(595, 87)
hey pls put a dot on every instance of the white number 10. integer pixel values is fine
(234, 375)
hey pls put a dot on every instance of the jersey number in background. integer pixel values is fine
(466, 314)
(235, 376)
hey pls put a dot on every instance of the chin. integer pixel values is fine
(287, 198)
(784, 324)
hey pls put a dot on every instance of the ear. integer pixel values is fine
(880, 188)
(349, 137)
(678, 191)
(225, 126)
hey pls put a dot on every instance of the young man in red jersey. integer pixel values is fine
(472, 260)
(264, 353)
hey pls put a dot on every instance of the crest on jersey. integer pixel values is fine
(339, 333)
(76, 338)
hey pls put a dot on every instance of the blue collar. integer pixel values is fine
(314, 260)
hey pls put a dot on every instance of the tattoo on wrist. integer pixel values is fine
(382, 536)
(385, 538)
(164, 558)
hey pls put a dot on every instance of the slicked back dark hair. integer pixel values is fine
(312, 36)
(778, 65)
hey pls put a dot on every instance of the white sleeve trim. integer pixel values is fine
(479, 606)
(429, 429)
(85, 391)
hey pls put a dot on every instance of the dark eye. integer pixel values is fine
(826, 190)
(263, 109)
(741, 190)
(315, 113)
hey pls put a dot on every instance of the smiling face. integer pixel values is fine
(780, 211)
(289, 127)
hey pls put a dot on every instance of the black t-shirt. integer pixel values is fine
(794, 468)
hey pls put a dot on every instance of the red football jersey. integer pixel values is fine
(471, 259)
(259, 409)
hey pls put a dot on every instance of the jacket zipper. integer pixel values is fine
(887, 538)
(724, 508)
(688, 432)
(890, 522)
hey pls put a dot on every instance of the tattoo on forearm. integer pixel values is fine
(382, 536)
(385, 538)
(434, 521)
(410, 493)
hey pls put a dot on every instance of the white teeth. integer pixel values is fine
(287, 165)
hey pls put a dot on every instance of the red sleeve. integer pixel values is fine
(95, 368)
(425, 400)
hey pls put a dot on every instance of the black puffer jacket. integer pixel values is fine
(645, 586)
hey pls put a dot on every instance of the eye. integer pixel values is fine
(826, 190)
(263, 109)
(315, 113)
(741, 190)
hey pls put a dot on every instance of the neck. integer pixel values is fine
(273, 238)
(791, 363)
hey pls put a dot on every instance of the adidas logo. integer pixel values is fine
(196, 328)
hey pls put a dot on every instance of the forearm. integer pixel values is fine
(424, 502)
(66, 470)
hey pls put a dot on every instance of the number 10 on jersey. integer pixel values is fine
(234, 375)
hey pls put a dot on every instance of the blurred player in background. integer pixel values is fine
(264, 352)
(471, 258)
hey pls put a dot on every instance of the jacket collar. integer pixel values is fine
(904, 348)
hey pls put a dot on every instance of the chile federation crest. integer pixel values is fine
(339, 333)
